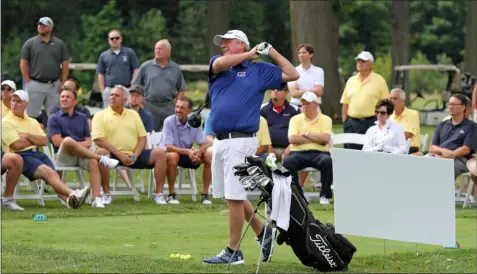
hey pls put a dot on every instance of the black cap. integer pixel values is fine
(137, 88)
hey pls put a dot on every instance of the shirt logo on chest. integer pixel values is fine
(462, 131)
(125, 58)
(241, 74)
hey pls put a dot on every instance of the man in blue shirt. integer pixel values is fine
(71, 137)
(178, 140)
(135, 102)
(237, 86)
(455, 138)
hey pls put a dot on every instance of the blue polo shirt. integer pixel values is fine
(278, 122)
(146, 118)
(179, 135)
(236, 95)
(117, 68)
(207, 126)
(450, 136)
(74, 126)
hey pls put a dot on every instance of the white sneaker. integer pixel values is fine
(106, 161)
(204, 199)
(324, 201)
(107, 199)
(98, 202)
(173, 200)
(160, 199)
(77, 197)
(11, 204)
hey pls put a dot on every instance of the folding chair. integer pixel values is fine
(37, 192)
(153, 141)
(424, 140)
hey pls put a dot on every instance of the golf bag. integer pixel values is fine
(314, 243)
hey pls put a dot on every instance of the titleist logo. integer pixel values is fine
(323, 247)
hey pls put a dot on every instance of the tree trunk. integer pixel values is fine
(400, 46)
(218, 22)
(470, 59)
(316, 23)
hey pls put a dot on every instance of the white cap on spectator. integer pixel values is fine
(231, 34)
(46, 21)
(23, 95)
(310, 97)
(10, 83)
(366, 56)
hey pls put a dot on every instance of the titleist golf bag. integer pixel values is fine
(314, 243)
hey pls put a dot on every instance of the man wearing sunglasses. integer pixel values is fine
(44, 66)
(8, 88)
(116, 66)
(361, 94)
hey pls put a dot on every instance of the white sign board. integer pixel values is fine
(395, 197)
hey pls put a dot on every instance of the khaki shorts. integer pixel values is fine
(64, 159)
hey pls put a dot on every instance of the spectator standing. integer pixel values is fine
(163, 81)
(8, 88)
(360, 96)
(135, 102)
(116, 66)
(44, 66)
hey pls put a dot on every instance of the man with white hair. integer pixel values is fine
(361, 94)
(407, 118)
(163, 82)
(8, 88)
(237, 87)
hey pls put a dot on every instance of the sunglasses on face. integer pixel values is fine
(380, 112)
(114, 38)
(7, 88)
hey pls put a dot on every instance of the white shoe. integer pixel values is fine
(160, 199)
(11, 204)
(106, 161)
(204, 199)
(324, 201)
(77, 197)
(98, 202)
(173, 200)
(107, 199)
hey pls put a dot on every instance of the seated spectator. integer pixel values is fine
(8, 88)
(72, 85)
(119, 132)
(264, 142)
(278, 113)
(12, 164)
(178, 140)
(23, 135)
(69, 132)
(385, 136)
(309, 135)
(455, 138)
(136, 102)
(408, 119)
(467, 112)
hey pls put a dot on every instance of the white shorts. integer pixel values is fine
(64, 159)
(226, 154)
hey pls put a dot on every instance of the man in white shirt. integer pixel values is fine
(385, 136)
(312, 78)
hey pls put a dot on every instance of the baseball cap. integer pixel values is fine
(23, 95)
(137, 88)
(46, 21)
(366, 56)
(231, 34)
(310, 97)
(10, 83)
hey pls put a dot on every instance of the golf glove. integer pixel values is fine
(264, 48)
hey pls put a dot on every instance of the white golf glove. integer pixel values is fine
(263, 48)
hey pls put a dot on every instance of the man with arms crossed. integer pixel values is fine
(237, 88)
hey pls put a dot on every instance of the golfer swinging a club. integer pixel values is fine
(237, 86)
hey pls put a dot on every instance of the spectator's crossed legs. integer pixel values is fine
(12, 164)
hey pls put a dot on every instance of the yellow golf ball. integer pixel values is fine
(177, 256)
(187, 257)
(182, 257)
(172, 256)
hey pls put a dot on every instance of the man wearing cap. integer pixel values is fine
(135, 102)
(163, 82)
(116, 66)
(237, 86)
(8, 87)
(69, 132)
(360, 96)
(309, 135)
(178, 138)
(23, 135)
(44, 66)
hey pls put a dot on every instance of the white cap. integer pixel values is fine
(23, 95)
(231, 34)
(310, 97)
(46, 21)
(366, 56)
(10, 83)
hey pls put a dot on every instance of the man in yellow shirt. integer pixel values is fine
(309, 134)
(8, 88)
(120, 133)
(360, 96)
(407, 118)
(23, 135)
(264, 141)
